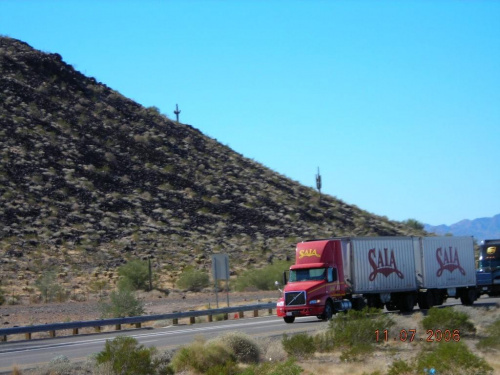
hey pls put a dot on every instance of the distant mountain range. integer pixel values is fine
(482, 228)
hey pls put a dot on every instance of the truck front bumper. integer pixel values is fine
(316, 310)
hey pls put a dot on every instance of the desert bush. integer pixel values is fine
(288, 367)
(351, 331)
(400, 367)
(324, 341)
(492, 341)
(299, 345)
(134, 274)
(122, 303)
(193, 280)
(127, 357)
(453, 358)
(2, 296)
(414, 224)
(262, 279)
(49, 287)
(201, 356)
(241, 345)
(447, 318)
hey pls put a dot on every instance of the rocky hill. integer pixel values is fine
(90, 179)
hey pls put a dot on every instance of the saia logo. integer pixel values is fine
(383, 262)
(308, 253)
(448, 260)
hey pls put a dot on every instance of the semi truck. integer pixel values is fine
(488, 272)
(338, 274)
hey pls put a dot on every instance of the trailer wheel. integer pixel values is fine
(328, 313)
(425, 300)
(468, 296)
(406, 302)
(289, 319)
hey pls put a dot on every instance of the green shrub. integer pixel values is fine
(324, 341)
(414, 224)
(201, 356)
(193, 280)
(274, 368)
(262, 279)
(122, 303)
(127, 357)
(49, 287)
(492, 341)
(299, 345)
(448, 319)
(400, 367)
(243, 347)
(453, 358)
(134, 274)
(354, 331)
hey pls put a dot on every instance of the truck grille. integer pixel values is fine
(295, 298)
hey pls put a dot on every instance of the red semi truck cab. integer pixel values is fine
(316, 285)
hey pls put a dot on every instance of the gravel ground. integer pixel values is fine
(154, 303)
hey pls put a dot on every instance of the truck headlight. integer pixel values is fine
(280, 304)
(314, 301)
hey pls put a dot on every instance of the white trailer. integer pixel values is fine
(398, 272)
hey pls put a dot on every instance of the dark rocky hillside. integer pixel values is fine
(89, 179)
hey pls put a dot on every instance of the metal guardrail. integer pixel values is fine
(137, 320)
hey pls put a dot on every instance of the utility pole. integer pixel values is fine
(318, 184)
(177, 111)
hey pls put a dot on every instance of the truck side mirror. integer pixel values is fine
(332, 275)
(284, 278)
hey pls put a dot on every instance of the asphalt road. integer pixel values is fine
(27, 354)
(30, 353)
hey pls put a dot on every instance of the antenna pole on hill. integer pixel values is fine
(177, 111)
(318, 184)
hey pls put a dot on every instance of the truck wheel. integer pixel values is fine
(328, 313)
(358, 304)
(425, 300)
(289, 319)
(438, 298)
(468, 296)
(406, 303)
(391, 306)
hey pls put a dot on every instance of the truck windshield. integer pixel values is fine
(308, 274)
(489, 265)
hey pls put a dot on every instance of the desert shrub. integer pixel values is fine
(324, 341)
(288, 367)
(162, 360)
(2, 296)
(400, 367)
(201, 356)
(353, 331)
(127, 357)
(299, 345)
(447, 318)
(49, 287)
(122, 303)
(193, 280)
(241, 345)
(414, 224)
(453, 358)
(134, 274)
(492, 341)
(262, 279)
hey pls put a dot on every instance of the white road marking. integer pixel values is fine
(143, 335)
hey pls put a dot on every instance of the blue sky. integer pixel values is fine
(397, 102)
